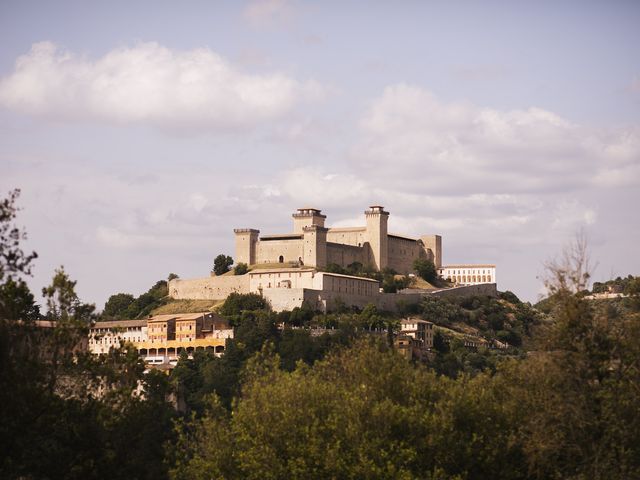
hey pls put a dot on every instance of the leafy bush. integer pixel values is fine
(425, 269)
(510, 297)
(241, 269)
(236, 303)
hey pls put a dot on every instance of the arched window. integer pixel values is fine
(281, 259)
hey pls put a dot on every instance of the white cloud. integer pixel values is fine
(311, 186)
(150, 84)
(416, 142)
(114, 238)
(572, 215)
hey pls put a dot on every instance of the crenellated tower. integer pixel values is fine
(246, 240)
(433, 248)
(305, 217)
(314, 246)
(377, 234)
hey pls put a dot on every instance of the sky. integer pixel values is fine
(142, 133)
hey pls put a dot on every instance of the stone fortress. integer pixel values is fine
(287, 268)
(313, 244)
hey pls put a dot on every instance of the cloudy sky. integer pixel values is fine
(141, 133)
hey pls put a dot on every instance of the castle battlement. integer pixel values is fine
(313, 244)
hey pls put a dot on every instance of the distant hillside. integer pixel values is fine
(506, 319)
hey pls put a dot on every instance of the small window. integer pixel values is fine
(281, 259)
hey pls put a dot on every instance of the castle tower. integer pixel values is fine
(314, 246)
(305, 217)
(246, 241)
(377, 220)
(433, 247)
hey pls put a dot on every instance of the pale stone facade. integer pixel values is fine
(469, 274)
(313, 244)
(418, 329)
(171, 334)
(162, 338)
(105, 335)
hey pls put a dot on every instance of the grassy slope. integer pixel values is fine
(187, 306)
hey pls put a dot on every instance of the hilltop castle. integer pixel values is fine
(287, 269)
(313, 244)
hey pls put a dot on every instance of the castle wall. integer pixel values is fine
(287, 298)
(434, 244)
(345, 255)
(326, 300)
(403, 252)
(209, 288)
(356, 236)
(331, 282)
(269, 251)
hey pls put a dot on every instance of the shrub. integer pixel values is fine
(241, 269)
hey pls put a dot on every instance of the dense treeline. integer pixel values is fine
(568, 410)
(304, 395)
(65, 413)
(628, 285)
(125, 306)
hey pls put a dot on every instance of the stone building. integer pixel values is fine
(313, 244)
(468, 274)
(418, 329)
(286, 268)
(104, 335)
(161, 339)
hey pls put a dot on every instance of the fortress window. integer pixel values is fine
(281, 259)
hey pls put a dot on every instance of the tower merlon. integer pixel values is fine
(376, 210)
(308, 212)
(314, 228)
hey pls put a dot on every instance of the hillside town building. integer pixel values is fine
(464, 274)
(161, 339)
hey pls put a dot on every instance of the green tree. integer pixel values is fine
(241, 269)
(425, 269)
(117, 306)
(236, 303)
(577, 398)
(17, 301)
(66, 413)
(13, 260)
(364, 412)
(222, 264)
(510, 297)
